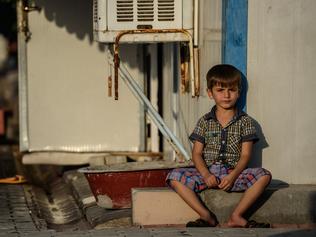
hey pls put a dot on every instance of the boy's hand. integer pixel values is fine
(227, 182)
(211, 181)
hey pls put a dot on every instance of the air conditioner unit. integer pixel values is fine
(110, 17)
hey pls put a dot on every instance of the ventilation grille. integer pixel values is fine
(95, 11)
(124, 10)
(115, 15)
(165, 10)
(145, 10)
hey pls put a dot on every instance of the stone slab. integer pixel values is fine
(159, 206)
(291, 204)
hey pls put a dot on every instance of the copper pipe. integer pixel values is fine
(184, 58)
(197, 71)
(183, 69)
(152, 31)
(116, 66)
(110, 86)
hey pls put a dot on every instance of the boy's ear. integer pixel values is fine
(209, 93)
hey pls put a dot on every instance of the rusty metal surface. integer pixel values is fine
(142, 31)
(117, 185)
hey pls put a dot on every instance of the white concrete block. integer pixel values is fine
(159, 206)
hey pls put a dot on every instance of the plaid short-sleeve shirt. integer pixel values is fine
(223, 145)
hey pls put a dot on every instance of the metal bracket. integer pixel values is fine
(23, 25)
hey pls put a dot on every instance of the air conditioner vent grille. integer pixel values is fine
(166, 10)
(141, 14)
(124, 10)
(145, 10)
(95, 11)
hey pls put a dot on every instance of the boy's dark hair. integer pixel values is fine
(224, 75)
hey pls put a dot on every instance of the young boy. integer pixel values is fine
(222, 145)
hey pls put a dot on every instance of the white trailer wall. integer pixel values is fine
(67, 107)
(281, 76)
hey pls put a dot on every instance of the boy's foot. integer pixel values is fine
(237, 221)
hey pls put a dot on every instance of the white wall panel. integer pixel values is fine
(68, 107)
(281, 69)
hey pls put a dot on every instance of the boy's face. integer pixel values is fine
(224, 97)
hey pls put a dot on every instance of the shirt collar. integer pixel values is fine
(212, 115)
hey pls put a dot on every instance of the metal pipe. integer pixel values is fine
(110, 75)
(110, 86)
(153, 114)
(152, 31)
(196, 23)
(197, 71)
(196, 48)
(22, 71)
(192, 69)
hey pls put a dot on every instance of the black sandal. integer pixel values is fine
(199, 223)
(254, 224)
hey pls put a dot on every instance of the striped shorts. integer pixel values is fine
(191, 178)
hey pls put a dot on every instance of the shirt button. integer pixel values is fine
(220, 154)
(223, 142)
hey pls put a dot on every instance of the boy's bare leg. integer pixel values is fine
(249, 197)
(193, 201)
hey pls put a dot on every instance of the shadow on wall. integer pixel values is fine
(256, 160)
(242, 100)
(75, 16)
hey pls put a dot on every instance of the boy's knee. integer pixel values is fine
(173, 183)
(266, 178)
(268, 174)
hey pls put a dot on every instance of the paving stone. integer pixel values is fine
(38, 234)
(101, 233)
(96, 215)
(10, 234)
(5, 214)
(7, 229)
(134, 233)
(7, 226)
(26, 219)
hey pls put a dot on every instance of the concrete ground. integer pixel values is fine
(19, 217)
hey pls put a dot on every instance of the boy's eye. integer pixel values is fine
(233, 89)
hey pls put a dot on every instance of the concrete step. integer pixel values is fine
(279, 204)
